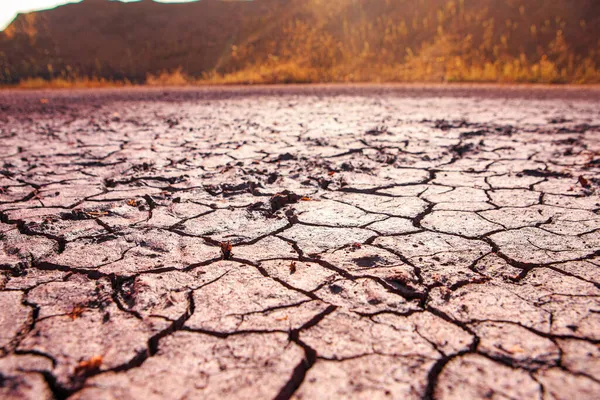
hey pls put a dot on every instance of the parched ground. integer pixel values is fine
(387, 242)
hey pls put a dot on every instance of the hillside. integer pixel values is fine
(309, 41)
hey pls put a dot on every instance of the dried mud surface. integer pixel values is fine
(318, 242)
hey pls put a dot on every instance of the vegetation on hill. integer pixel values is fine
(281, 41)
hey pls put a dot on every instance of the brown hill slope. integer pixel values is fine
(122, 40)
(310, 40)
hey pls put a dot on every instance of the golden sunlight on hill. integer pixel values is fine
(301, 41)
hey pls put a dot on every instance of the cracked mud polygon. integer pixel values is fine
(307, 243)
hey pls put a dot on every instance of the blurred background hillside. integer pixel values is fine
(97, 42)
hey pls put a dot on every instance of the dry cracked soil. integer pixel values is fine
(303, 242)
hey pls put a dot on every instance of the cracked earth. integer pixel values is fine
(306, 243)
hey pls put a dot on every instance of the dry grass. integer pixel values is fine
(70, 83)
(430, 41)
(452, 71)
(172, 78)
(513, 71)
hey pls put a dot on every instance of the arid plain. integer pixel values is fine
(409, 242)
